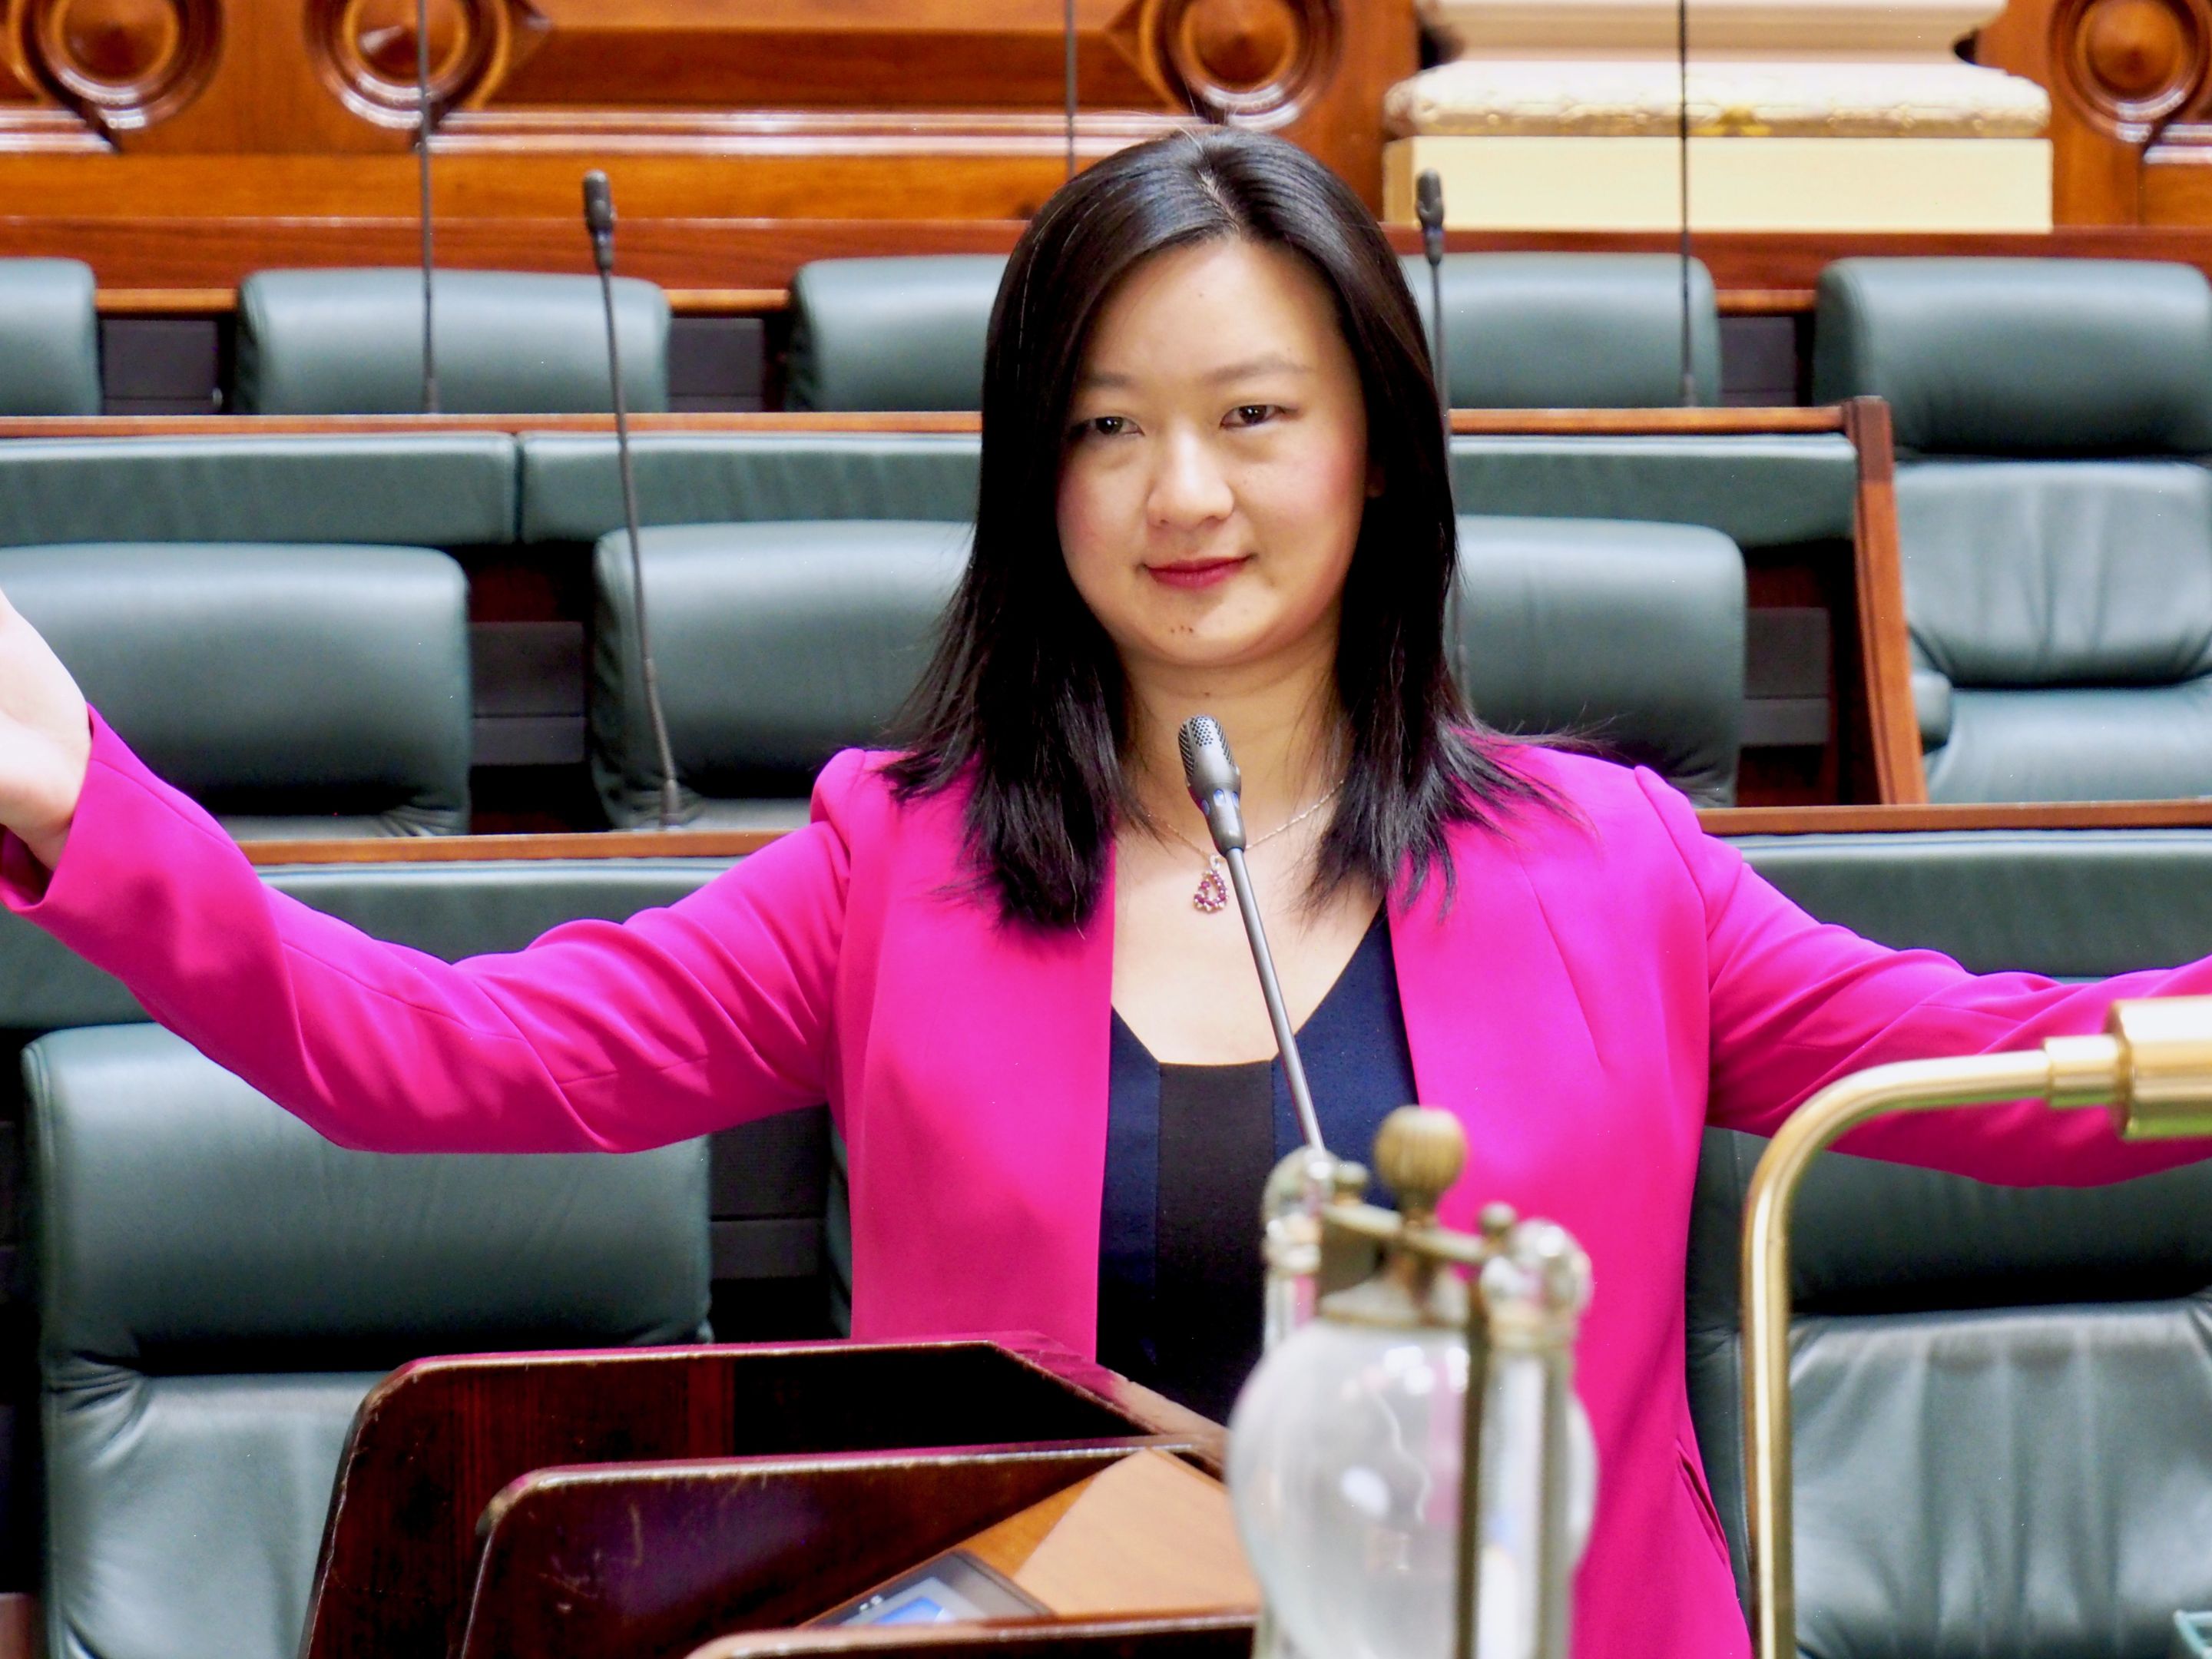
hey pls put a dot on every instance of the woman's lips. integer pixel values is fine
(1198, 573)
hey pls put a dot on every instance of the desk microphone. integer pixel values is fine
(599, 221)
(1429, 209)
(1214, 782)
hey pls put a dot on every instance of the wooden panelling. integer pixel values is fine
(2131, 85)
(180, 144)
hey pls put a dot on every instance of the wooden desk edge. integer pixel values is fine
(727, 844)
(1496, 423)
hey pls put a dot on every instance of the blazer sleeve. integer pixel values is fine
(1797, 1004)
(598, 1037)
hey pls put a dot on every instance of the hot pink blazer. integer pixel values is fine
(1601, 989)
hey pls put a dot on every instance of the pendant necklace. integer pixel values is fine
(1213, 895)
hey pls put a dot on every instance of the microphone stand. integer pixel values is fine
(1214, 782)
(1429, 207)
(1067, 77)
(600, 219)
(1682, 168)
(422, 184)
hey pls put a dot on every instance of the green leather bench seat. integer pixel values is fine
(506, 342)
(416, 489)
(219, 1286)
(49, 338)
(572, 488)
(897, 334)
(777, 644)
(1630, 635)
(2055, 521)
(1571, 330)
(1758, 491)
(295, 691)
(1521, 331)
(1765, 491)
(767, 1196)
(2003, 1396)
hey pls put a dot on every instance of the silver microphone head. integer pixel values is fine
(599, 204)
(1429, 199)
(1214, 782)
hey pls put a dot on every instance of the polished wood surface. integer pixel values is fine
(1824, 819)
(2130, 86)
(657, 1557)
(1148, 1533)
(437, 1440)
(1874, 705)
(2195, 814)
(1502, 422)
(178, 144)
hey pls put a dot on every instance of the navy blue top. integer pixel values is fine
(1188, 1149)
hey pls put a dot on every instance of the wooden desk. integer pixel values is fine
(435, 1443)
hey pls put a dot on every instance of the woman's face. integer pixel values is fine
(1215, 468)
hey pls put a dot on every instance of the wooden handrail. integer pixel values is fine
(723, 844)
(1531, 422)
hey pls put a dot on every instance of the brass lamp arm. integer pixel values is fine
(2153, 1065)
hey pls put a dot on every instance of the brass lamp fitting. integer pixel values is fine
(2152, 1067)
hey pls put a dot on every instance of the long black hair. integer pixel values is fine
(1025, 697)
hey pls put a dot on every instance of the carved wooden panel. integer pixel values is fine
(2131, 85)
(206, 138)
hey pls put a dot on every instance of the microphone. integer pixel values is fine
(422, 188)
(1429, 209)
(1214, 783)
(599, 221)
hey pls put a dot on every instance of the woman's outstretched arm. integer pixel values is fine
(1797, 1004)
(599, 1035)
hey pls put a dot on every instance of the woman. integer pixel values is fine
(1212, 480)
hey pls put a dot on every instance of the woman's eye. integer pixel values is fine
(1254, 414)
(1101, 426)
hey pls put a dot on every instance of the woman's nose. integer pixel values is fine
(1188, 484)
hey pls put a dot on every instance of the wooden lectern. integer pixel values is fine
(654, 1502)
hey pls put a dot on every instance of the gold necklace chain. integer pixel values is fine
(1213, 893)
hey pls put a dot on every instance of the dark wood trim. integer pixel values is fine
(222, 301)
(1885, 646)
(720, 845)
(1543, 422)
(1644, 423)
(463, 849)
(340, 426)
(2195, 814)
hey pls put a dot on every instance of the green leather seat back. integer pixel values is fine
(419, 490)
(1571, 330)
(1630, 635)
(1760, 491)
(2021, 356)
(572, 488)
(49, 338)
(292, 690)
(350, 343)
(2003, 1396)
(893, 334)
(776, 645)
(2054, 524)
(2068, 606)
(220, 1286)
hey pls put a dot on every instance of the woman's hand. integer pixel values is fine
(45, 740)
